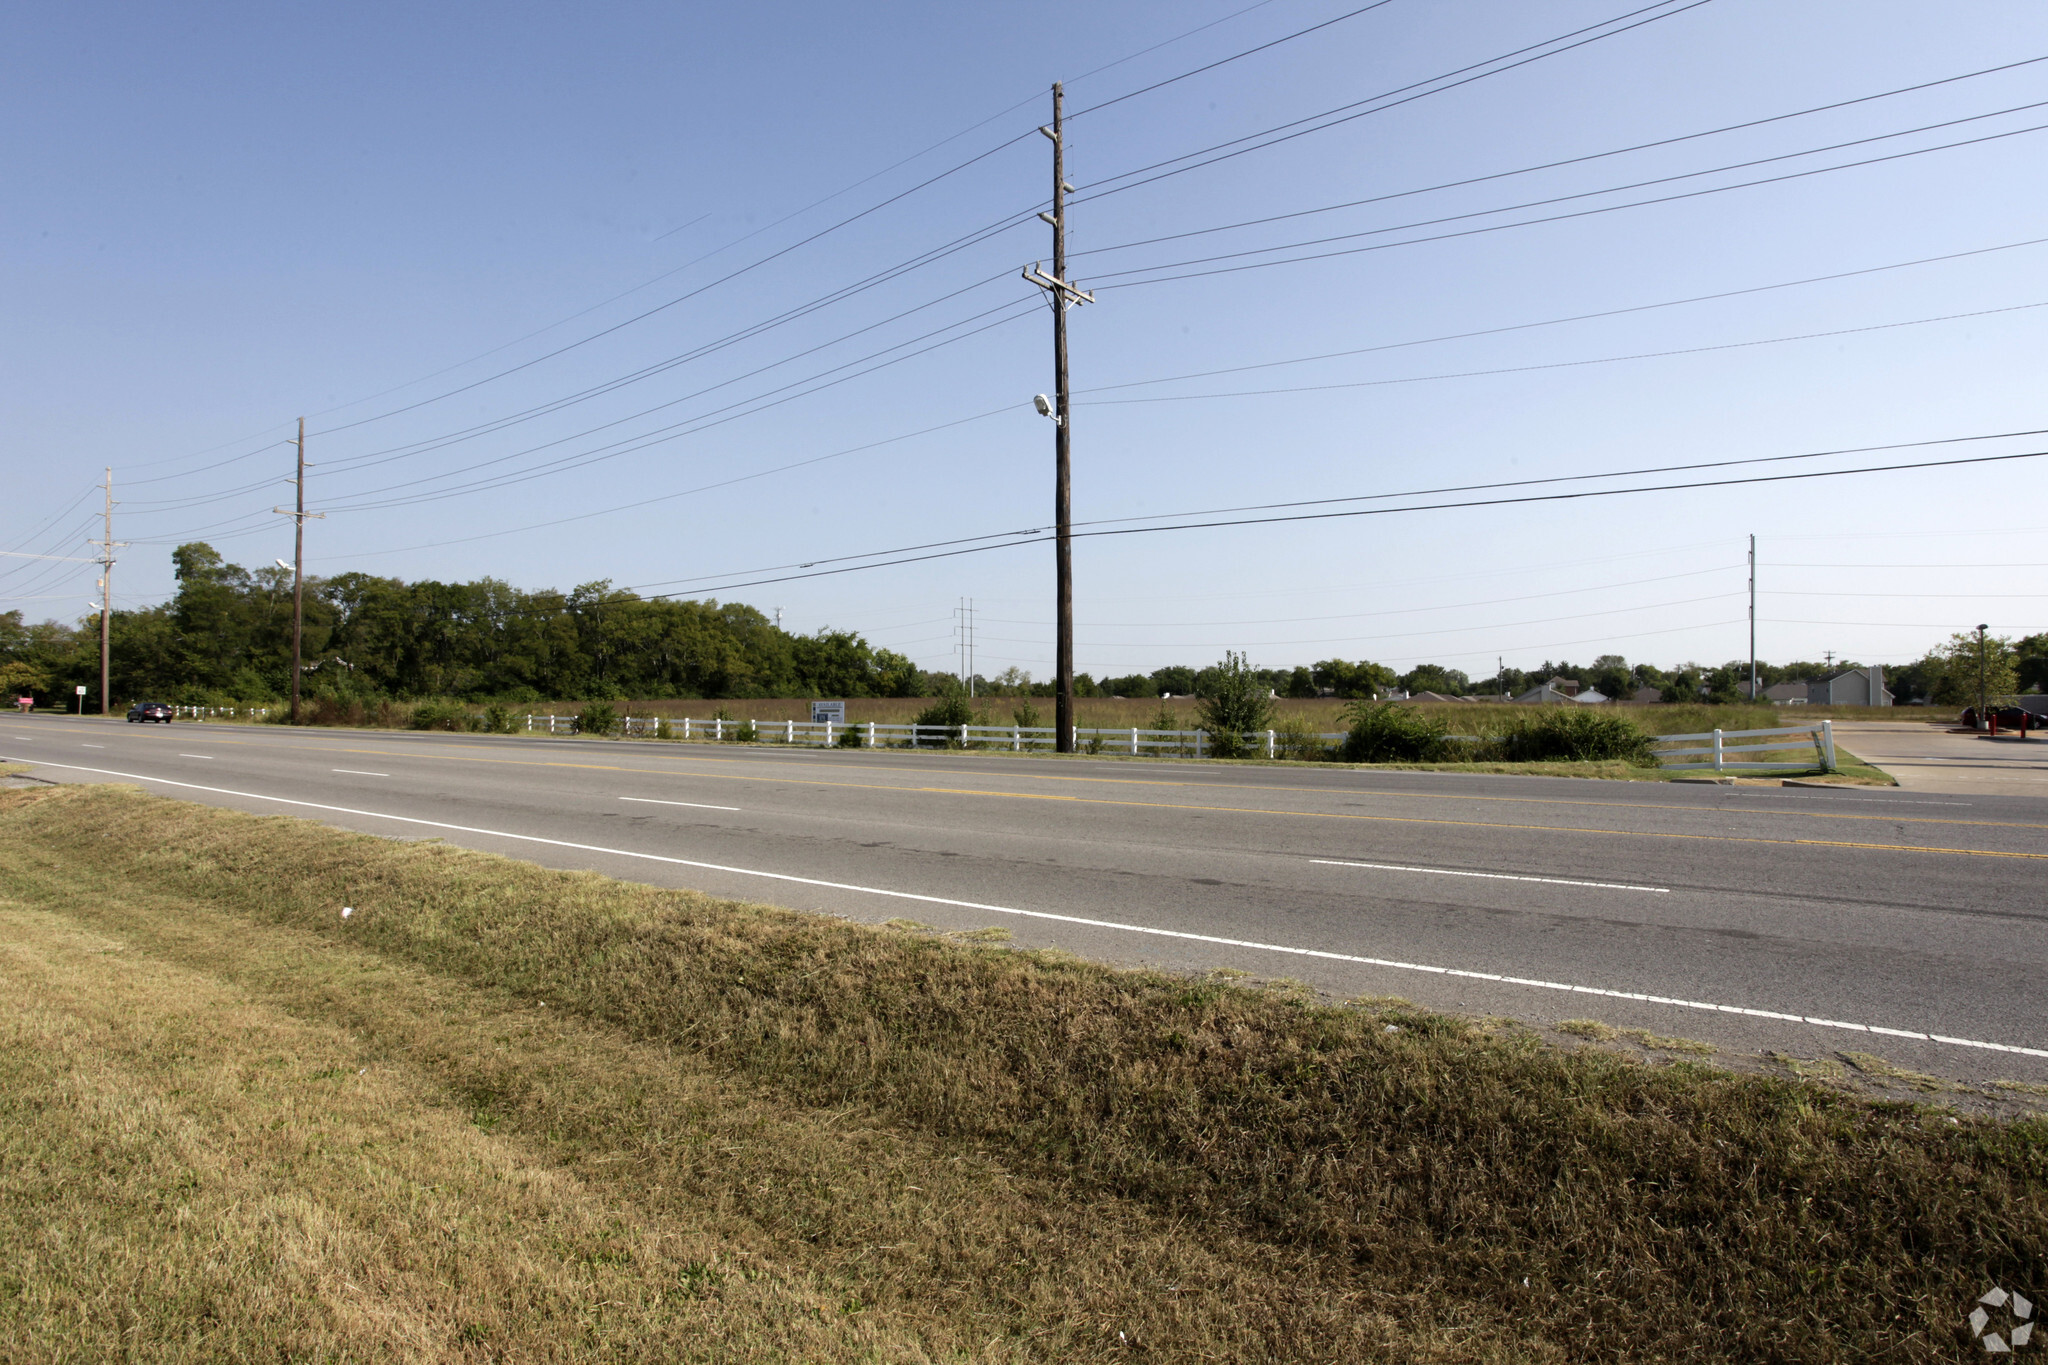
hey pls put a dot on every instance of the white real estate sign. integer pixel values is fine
(833, 711)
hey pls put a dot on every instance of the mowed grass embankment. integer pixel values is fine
(507, 1113)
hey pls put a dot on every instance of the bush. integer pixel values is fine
(1234, 702)
(598, 718)
(440, 715)
(1026, 716)
(1575, 734)
(1387, 732)
(1296, 738)
(852, 737)
(498, 719)
(745, 733)
(950, 711)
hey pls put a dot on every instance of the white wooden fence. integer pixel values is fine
(875, 734)
(1819, 736)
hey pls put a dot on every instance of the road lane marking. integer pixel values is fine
(92, 746)
(1491, 876)
(787, 760)
(694, 805)
(357, 772)
(1284, 814)
(207, 757)
(1122, 927)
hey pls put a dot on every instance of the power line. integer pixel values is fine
(695, 425)
(1581, 160)
(1576, 364)
(1189, 33)
(1008, 407)
(1575, 317)
(1108, 187)
(1032, 536)
(1392, 611)
(1530, 222)
(1235, 56)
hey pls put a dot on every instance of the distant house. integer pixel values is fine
(1643, 696)
(1554, 692)
(1436, 696)
(1788, 693)
(1589, 696)
(1857, 687)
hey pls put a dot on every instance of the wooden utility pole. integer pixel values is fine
(1062, 296)
(107, 545)
(1752, 617)
(299, 569)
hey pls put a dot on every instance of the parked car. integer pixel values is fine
(149, 710)
(2010, 718)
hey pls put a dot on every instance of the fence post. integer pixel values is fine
(1134, 741)
(1269, 744)
(686, 727)
(1827, 742)
(1073, 738)
(1016, 738)
(718, 727)
(1200, 735)
(1717, 751)
(871, 734)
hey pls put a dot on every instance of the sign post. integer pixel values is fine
(831, 715)
(81, 699)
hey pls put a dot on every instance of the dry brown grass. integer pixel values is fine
(917, 1148)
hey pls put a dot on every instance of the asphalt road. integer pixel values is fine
(1907, 924)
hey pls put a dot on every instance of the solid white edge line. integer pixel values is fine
(355, 772)
(693, 805)
(1317, 953)
(1490, 876)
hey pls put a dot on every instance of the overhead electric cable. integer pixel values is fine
(1580, 160)
(1109, 186)
(1611, 189)
(1010, 539)
(1233, 57)
(1028, 100)
(1574, 317)
(1528, 222)
(1572, 364)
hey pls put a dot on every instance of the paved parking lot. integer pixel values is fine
(1931, 759)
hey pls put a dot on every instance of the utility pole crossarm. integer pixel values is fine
(1072, 297)
(1063, 296)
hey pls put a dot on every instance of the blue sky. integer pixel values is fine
(394, 220)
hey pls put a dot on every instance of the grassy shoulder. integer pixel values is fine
(504, 1112)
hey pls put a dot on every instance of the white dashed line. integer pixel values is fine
(92, 746)
(693, 805)
(1393, 964)
(357, 772)
(1492, 876)
(208, 757)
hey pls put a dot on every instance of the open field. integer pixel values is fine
(508, 1113)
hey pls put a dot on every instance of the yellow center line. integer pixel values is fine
(1213, 810)
(1207, 786)
(1232, 810)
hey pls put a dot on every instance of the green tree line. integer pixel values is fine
(225, 637)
